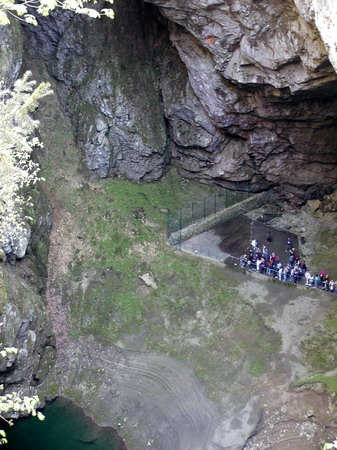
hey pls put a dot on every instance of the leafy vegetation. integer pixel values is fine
(17, 129)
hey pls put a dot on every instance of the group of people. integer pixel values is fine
(267, 262)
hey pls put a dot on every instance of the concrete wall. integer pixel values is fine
(222, 216)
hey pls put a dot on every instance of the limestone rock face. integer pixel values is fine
(257, 100)
(18, 245)
(108, 85)
(323, 13)
(11, 48)
(25, 327)
(24, 321)
(247, 91)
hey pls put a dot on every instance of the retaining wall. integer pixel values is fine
(256, 201)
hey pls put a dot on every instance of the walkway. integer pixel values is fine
(229, 240)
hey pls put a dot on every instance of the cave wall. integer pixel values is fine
(11, 53)
(243, 96)
(107, 84)
(323, 15)
(259, 103)
(23, 315)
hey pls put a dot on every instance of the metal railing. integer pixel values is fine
(284, 277)
(199, 210)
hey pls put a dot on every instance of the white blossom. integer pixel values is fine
(40, 416)
(14, 403)
(19, 9)
(17, 141)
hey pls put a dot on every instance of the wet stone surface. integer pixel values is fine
(233, 237)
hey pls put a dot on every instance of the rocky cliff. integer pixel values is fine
(107, 83)
(23, 313)
(260, 100)
(232, 95)
(236, 95)
(323, 15)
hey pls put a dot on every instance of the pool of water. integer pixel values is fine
(65, 427)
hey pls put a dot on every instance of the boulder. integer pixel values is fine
(329, 203)
(17, 246)
(149, 280)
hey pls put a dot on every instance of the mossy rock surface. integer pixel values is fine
(320, 348)
(196, 314)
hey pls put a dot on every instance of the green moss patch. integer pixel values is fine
(330, 382)
(196, 313)
(124, 227)
(325, 256)
(320, 349)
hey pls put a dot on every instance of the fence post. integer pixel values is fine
(204, 208)
(192, 212)
(180, 220)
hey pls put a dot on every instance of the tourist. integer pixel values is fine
(285, 274)
(311, 280)
(287, 271)
(258, 253)
(268, 267)
(265, 253)
(292, 274)
(331, 286)
(297, 274)
(321, 277)
(326, 282)
(254, 244)
(280, 273)
(303, 266)
(307, 276)
(316, 281)
(263, 266)
(243, 261)
(267, 262)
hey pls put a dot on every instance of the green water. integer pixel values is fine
(65, 427)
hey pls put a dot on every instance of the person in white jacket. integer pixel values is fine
(307, 276)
